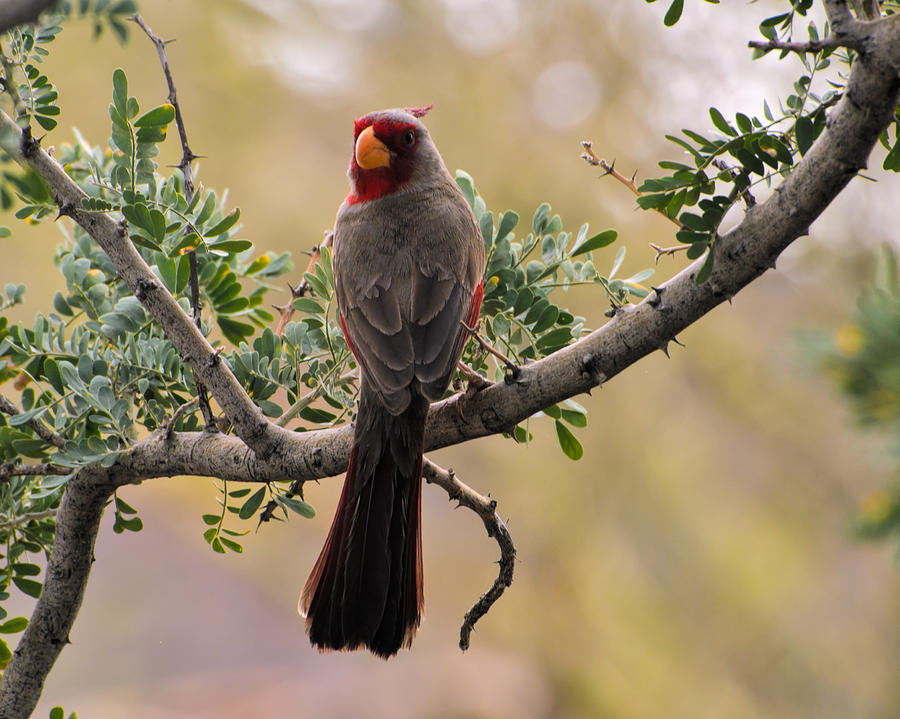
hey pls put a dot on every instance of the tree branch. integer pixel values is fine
(187, 157)
(77, 523)
(20, 12)
(828, 43)
(496, 528)
(40, 429)
(10, 469)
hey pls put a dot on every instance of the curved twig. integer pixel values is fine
(496, 528)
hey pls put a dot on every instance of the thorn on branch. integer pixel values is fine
(66, 209)
(29, 145)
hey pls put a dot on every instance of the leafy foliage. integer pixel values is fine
(752, 148)
(861, 356)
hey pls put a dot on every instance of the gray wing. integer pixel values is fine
(379, 338)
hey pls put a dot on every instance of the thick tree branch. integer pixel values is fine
(77, 522)
(19, 12)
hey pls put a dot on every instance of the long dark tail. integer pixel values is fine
(366, 586)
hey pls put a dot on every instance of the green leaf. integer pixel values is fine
(35, 448)
(248, 509)
(508, 220)
(721, 123)
(576, 419)
(706, 268)
(211, 519)
(13, 626)
(673, 14)
(231, 544)
(225, 225)
(28, 586)
(307, 305)
(892, 159)
(232, 247)
(540, 219)
(120, 91)
(158, 116)
(601, 239)
(805, 134)
(570, 446)
(57, 713)
(296, 505)
(617, 263)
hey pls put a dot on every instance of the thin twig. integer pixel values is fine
(475, 380)
(287, 311)
(660, 251)
(514, 371)
(11, 469)
(22, 519)
(187, 157)
(813, 46)
(496, 528)
(46, 434)
(736, 191)
(178, 414)
(591, 158)
(307, 399)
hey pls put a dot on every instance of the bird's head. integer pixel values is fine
(392, 151)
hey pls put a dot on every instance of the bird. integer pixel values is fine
(408, 264)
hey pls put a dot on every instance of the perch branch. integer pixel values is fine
(496, 528)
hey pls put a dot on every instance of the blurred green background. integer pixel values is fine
(697, 562)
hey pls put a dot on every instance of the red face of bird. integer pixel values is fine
(392, 152)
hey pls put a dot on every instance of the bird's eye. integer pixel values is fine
(409, 137)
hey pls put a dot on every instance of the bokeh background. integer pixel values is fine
(697, 562)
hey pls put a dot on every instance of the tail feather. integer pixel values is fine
(366, 586)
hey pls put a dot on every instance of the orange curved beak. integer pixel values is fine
(370, 151)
